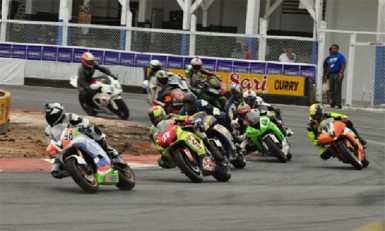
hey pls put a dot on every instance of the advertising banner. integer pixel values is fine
(19, 52)
(5, 50)
(34, 52)
(65, 54)
(49, 53)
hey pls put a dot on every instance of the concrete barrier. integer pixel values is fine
(5, 106)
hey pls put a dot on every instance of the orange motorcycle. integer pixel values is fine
(342, 142)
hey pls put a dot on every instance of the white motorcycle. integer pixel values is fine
(108, 101)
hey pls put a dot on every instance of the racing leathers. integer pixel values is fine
(193, 76)
(72, 120)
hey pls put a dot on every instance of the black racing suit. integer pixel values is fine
(85, 75)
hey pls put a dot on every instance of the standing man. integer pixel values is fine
(336, 64)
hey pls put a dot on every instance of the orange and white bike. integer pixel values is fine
(342, 142)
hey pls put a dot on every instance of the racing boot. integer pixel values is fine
(362, 140)
(57, 171)
(288, 131)
(207, 165)
(111, 152)
(165, 162)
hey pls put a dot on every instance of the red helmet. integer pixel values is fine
(88, 59)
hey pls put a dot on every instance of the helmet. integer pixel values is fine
(155, 65)
(88, 59)
(156, 114)
(54, 113)
(190, 102)
(196, 63)
(251, 118)
(258, 100)
(236, 91)
(249, 96)
(316, 112)
(242, 109)
(162, 77)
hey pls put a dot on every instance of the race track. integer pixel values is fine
(304, 194)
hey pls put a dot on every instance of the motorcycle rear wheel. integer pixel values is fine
(349, 155)
(81, 177)
(126, 177)
(83, 103)
(273, 148)
(194, 173)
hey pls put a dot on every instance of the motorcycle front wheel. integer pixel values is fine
(349, 155)
(122, 112)
(274, 149)
(191, 170)
(81, 176)
(126, 177)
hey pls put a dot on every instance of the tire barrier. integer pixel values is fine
(5, 106)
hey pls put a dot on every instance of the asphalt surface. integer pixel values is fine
(306, 193)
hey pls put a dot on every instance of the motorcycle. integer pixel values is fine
(213, 90)
(108, 101)
(179, 144)
(268, 139)
(88, 164)
(342, 142)
(173, 99)
(223, 135)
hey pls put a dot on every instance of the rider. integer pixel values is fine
(317, 114)
(85, 73)
(251, 98)
(194, 70)
(55, 115)
(235, 99)
(154, 67)
(158, 87)
(156, 115)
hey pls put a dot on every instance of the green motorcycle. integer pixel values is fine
(213, 90)
(266, 136)
(184, 145)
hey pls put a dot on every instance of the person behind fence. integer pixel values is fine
(336, 64)
(287, 55)
(195, 70)
(85, 74)
(247, 52)
(317, 114)
(57, 118)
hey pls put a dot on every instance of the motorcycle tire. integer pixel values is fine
(85, 180)
(222, 172)
(274, 149)
(350, 157)
(83, 103)
(122, 112)
(239, 161)
(193, 172)
(126, 177)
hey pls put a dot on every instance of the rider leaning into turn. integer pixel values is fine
(85, 74)
(194, 70)
(317, 114)
(156, 115)
(158, 87)
(58, 119)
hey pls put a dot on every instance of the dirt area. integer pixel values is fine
(25, 138)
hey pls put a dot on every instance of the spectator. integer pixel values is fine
(336, 64)
(287, 55)
(247, 54)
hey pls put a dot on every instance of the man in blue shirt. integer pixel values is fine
(336, 64)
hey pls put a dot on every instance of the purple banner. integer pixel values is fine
(308, 71)
(290, 70)
(77, 55)
(64, 54)
(99, 55)
(5, 50)
(241, 67)
(49, 53)
(209, 64)
(162, 59)
(274, 69)
(127, 59)
(175, 62)
(225, 66)
(19, 51)
(111, 58)
(142, 60)
(34, 52)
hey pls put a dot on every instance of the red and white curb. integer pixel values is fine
(25, 165)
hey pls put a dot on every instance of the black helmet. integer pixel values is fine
(236, 91)
(156, 114)
(190, 102)
(54, 113)
(316, 112)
